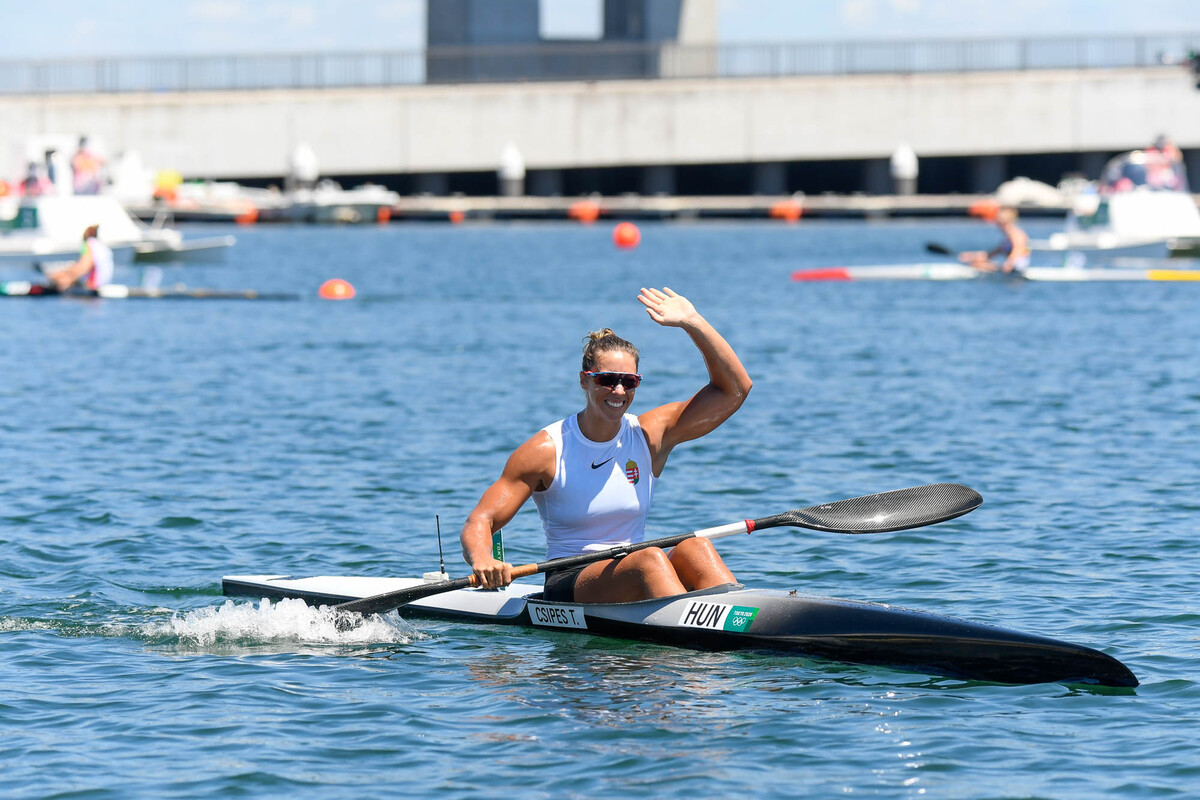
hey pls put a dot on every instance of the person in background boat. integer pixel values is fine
(35, 184)
(85, 166)
(1164, 166)
(1163, 144)
(51, 170)
(1014, 247)
(94, 267)
(592, 475)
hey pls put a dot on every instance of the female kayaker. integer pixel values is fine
(592, 474)
(95, 264)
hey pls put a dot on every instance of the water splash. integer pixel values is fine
(285, 622)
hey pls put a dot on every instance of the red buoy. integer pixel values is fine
(336, 289)
(985, 209)
(787, 210)
(626, 235)
(584, 211)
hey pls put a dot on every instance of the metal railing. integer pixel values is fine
(584, 61)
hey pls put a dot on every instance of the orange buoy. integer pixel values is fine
(247, 217)
(336, 289)
(984, 209)
(457, 216)
(584, 211)
(383, 214)
(626, 235)
(787, 210)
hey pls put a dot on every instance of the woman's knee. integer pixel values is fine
(651, 561)
(695, 549)
(699, 565)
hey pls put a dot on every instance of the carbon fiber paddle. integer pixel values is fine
(873, 513)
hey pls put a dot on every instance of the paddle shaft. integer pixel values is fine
(400, 597)
(874, 513)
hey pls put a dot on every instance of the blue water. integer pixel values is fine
(149, 448)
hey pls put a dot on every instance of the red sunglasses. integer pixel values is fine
(609, 380)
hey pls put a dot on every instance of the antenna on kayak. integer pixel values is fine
(441, 575)
(441, 559)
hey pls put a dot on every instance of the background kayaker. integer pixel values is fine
(95, 264)
(85, 169)
(1014, 247)
(592, 474)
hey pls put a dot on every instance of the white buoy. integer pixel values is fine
(511, 173)
(302, 168)
(904, 169)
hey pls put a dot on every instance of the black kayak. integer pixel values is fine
(734, 617)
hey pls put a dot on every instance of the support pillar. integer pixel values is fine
(658, 179)
(987, 173)
(770, 178)
(1091, 164)
(876, 176)
(545, 182)
(434, 183)
(1191, 161)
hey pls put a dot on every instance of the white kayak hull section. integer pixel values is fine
(508, 602)
(961, 272)
(734, 617)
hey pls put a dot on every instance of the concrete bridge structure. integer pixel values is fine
(767, 135)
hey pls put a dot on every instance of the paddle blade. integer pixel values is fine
(886, 511)
(939, 249)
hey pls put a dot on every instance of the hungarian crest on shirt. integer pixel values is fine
(631, 471)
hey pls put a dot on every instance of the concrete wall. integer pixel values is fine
(430, 129)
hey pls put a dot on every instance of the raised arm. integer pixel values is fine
(528, 469)
(728, 382)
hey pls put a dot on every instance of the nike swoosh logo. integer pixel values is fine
(602, 463)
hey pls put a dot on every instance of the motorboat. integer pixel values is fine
(327, 202)
(1141, 206)
(45, 229)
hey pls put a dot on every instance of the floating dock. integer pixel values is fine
(788, 208)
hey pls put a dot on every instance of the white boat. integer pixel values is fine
(328, 202)
(48, 229)
(1140, 206)
(949, 271)
(204, 201)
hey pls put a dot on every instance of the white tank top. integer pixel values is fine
(101, 273)
(601, 491)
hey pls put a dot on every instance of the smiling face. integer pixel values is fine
(609, 403)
